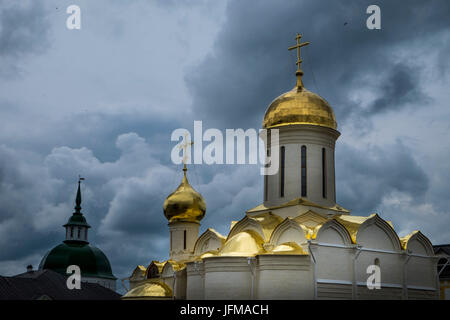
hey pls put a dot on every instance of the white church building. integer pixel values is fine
(299, 243)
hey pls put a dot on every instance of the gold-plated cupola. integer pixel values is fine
(299, 106)
(184, 204)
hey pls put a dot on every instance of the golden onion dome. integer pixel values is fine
(299, 106)
(184, 204)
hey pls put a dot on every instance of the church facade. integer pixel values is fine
(299, 243)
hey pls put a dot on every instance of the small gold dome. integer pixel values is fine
(184, 204)
(243, 244)
(299, 106)
(149, 290)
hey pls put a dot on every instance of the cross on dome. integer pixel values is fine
(299, 72)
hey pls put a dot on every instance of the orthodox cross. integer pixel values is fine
(299, 72)
(187, 144)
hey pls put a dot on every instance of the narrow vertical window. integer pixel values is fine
(324, 173)
(184, 240)
(266, 180)
(71, 232)
(79, 233)
(303, 165)
(282, 163)
(85, 234)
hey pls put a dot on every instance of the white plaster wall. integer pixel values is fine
(195, 281)
(333, 263)
(227, 278)
(391, 266)
(177, 229)
(314, 138)
(286, 277)
(421, 272)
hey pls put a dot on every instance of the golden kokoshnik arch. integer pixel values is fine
(332, 225)
(415, 238)
(244, 224)
(154, 269)
(375, 220)
(299, 235)
(205, 239)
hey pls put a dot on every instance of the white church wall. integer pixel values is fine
(314, 138)
(284, 277)
(340, 270)
(421, 273)
(195, 281)
(227, 278)
(178, 249)
(391, 267)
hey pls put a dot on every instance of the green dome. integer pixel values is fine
(91, 260)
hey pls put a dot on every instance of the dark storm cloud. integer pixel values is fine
(399, 89)
(250, 64)
(24, 31)
(365, 176)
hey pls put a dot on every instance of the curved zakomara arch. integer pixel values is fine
(140, 272)
(206, 236)
(289, 224)
(246, 223)
(332, 226)
(153, 270)
(376, 220)
(167, 270)
(417, 242)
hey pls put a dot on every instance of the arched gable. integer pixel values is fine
(332, 232)
(310, 219)
(154, 269)
(210, 240)
(417, 243)
(246, 223)
(289, 231)
(138, 273)
(376, 233)
(167, 270)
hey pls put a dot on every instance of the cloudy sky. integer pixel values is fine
(103, 101)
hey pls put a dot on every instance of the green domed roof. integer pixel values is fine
(91, 260)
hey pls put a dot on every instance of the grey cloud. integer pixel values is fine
(399, 89)
(366, 175)
(250, 64)
(24, 30)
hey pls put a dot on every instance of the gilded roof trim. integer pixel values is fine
(298, 201)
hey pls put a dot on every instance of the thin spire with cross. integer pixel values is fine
(78, 198)
(299, 72)
(187, 144)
